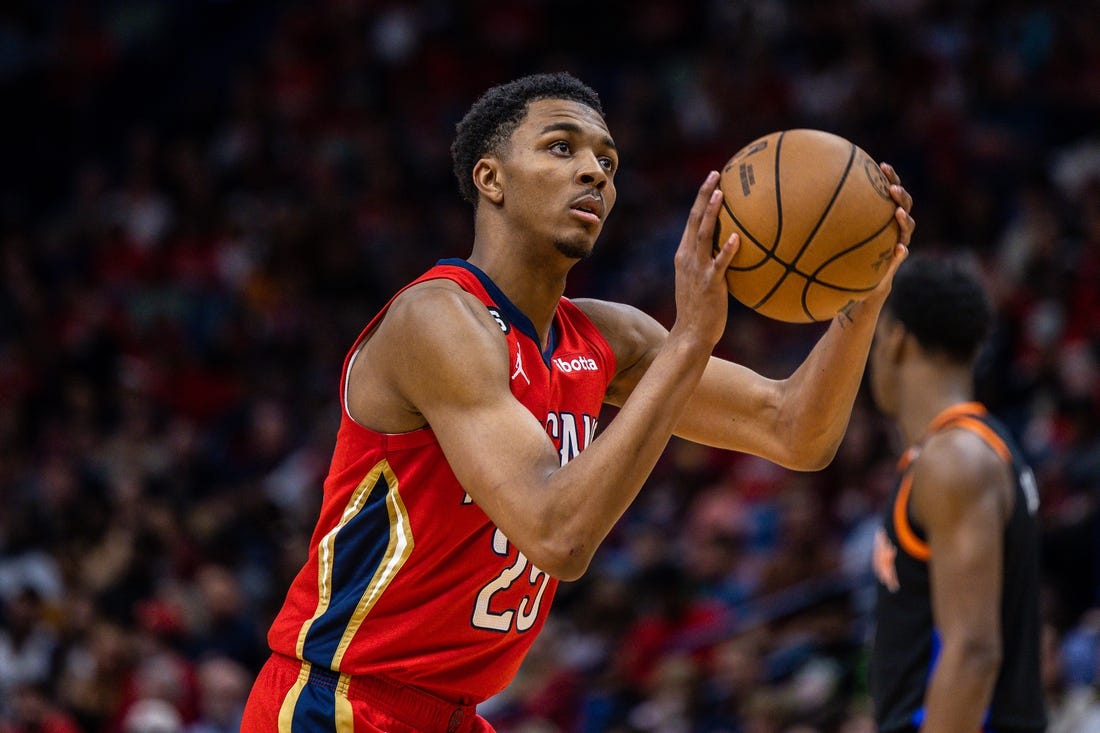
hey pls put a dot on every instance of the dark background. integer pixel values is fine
(202, 203)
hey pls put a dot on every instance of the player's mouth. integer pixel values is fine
(588, 207)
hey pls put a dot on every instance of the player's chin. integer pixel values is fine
(577, 248)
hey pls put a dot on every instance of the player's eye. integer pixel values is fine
(560, 147)
(608, 164)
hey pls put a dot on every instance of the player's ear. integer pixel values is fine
(488, 180)
(897, 341)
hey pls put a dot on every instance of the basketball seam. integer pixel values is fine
(819, 281)
(792, 266)
(768, 254)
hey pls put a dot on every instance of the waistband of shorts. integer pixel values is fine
(417, 708)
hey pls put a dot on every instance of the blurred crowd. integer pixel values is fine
(201, 204)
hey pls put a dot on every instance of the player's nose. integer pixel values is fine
(591, 173)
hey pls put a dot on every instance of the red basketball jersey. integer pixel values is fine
(406, 576)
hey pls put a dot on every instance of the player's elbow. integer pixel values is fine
(980, 655)
(569, 571)
(565, 561)
(810, 453)
(802, 441)
(561, 555)
(819, 454)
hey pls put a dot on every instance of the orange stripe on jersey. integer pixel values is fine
(965, 415)
(986, 433)
(963, 409)
(915, 546)
(907, 458)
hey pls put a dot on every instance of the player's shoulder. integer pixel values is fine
(442, 307)
(624, 326)
(961, 461)
(438, 322)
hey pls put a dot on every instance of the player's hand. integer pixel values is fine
(701, 292)
(906, 225)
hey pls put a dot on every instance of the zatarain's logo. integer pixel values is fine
(579, 363)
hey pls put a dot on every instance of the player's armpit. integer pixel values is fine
(732, 407)
(635, 338)
(393, 359)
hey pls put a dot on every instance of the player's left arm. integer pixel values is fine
(796, 422)
(962, 498)
(806, 415)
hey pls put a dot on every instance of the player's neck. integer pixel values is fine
(533, 287)
(929, 390)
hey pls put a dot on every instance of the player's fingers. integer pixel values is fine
(901, 196)
(901, 251)
(897, 191)
(725, 255)
(704, 234)
(906, 225)
(702, 201)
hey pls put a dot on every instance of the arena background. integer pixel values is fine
(201, 203)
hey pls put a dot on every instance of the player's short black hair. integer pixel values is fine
(498, 112)
(941, 301)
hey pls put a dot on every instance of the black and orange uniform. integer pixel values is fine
(907, 643)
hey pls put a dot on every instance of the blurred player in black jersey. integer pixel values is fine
(957, 637)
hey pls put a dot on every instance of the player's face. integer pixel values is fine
(881, 371)
(558, 175)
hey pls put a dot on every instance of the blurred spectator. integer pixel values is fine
(94, 674)
(223, 684)
(805, 547)
(1073, 698)
(28, 644)
(33, 710)
(152, 716)
(224, 627)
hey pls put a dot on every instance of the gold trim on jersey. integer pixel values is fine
(397, 552)
(345, 717)
(290, 702)
(399, 548)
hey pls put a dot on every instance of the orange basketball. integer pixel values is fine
(816, 222)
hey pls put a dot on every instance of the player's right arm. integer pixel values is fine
(441, 359)
(961, 497)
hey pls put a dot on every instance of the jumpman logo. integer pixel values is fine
(519, 368)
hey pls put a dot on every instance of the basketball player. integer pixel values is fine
(957, 638)
(467, 479)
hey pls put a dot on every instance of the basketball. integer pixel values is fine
(816, 222)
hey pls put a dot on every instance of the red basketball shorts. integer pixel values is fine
(290, 696)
